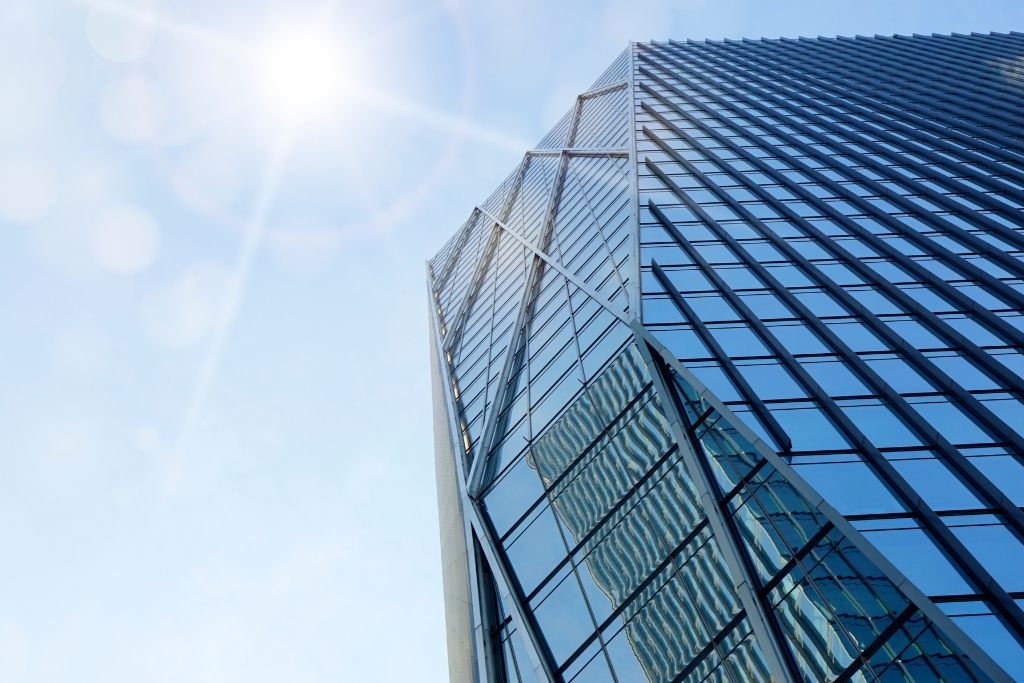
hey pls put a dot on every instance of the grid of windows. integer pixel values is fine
(736, 368)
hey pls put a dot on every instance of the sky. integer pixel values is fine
(217, 461)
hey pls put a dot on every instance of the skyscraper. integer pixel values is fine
(728, 373)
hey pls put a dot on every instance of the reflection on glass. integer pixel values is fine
(830, 601)
(625, 577)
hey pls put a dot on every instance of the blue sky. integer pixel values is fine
(217, 460)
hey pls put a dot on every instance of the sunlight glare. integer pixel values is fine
(303, 73)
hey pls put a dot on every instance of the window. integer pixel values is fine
(770, 381)
(850, 487)
(879, 424)
(916, 556)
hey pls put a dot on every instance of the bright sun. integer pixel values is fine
(302, 73)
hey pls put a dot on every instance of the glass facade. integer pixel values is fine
(729, 373)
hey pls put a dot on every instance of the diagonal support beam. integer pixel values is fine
(580, 152)
(744, 579)
(571, 277)
(909, 590)
(455, 330)
(481, 461)
(475, 527)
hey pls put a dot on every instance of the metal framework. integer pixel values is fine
(731, 369)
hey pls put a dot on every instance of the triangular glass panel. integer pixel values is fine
(821, 581)
(604, 120)
(616, 72)
(593, 226)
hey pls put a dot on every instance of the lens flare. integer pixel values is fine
(303, 73)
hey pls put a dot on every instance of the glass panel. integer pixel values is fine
(919, 559)
(995, 546)
(850, 487)
(998, 642)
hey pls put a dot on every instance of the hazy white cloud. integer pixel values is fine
(183, 311)
(148, 438)
(81, 351)
(131, 109)
(305, 245)
(125, 240)
(34, 72)
(28, 189)
(209, 175)
(121, 31)
(626, 20)
(14, 652)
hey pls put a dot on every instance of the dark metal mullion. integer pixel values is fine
(520, 334)
(935, 138)
(728, 495)
(880, 640)
(964, 123)
(811, 583)
(946, 62)
(1000, 326)
(952, 121)
(1012, 297)
(910, 591)
(968, 48)
(1001, 289)
(749, 395)
(956, 71)
(557, 255)
(546, 236)
(469, 299)
(978, 482)
(449, 265)
(955, 44)
(744, 310)
(836, 550)
(851, 47)
(710, 647)
(1010, 87)
(475, 526)
(991, 366)
(797, 556)
(454, 338)
(599, 524)
(700, 420)
(997, 324)
(969, 44)
(858, 137)
(888, 473)
(1002, 38)
(910, 75)
(954, 184)
(593, 215)
(811, 587)
(899, 121)
(1009, 51)
(949, 60)
(493, 625)
(952, 545)
(964, 236)
(915, 80)
(636, 592)
(908, 145)
(604, 433)
(897, 657)
(764, 623)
